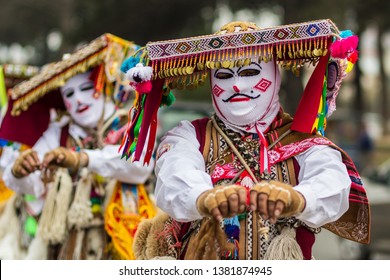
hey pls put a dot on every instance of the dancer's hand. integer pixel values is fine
(275, 199)
(26, 163)
(222, 201)
(63, 157)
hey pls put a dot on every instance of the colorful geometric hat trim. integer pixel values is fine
(293, 46)
(185, 63)
(54, 75)
(253, 38)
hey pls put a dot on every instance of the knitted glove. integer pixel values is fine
(63, 157)
(293, 202)
(26, 163)
(222, 201)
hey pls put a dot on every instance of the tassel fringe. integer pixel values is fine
(80, 213)
(284, 247)
(52, 224)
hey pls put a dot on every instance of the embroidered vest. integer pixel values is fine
(284, 145)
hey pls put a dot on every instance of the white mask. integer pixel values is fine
(83, 105)
(246, 98)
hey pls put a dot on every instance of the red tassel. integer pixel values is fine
(143, 87)
(353, 57)
(306, 113)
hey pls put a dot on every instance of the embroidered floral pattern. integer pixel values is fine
(287, 151)
(226, 171)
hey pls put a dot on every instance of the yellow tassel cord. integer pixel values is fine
(122, 227)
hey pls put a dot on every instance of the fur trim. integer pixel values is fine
(153, 244)
(141, 235)
(38, 249)
(146, 240)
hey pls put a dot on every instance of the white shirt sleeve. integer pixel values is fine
(325, 184)
(108, 163)
(181, 178)
(180, 172)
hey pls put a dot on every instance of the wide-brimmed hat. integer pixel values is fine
(185, 64)
(106, 52)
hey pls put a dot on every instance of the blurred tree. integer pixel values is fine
(375, 13)
(30, 21)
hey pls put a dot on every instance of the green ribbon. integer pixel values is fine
(3, 91)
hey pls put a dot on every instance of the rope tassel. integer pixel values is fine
(284, 247)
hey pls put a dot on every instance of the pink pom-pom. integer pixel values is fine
(144, 87)
(343, 47)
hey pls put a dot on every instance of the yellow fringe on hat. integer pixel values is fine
(55, 75)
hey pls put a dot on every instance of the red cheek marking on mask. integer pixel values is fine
(236, 89)
(68, 105)
(217, 91)
(263, 85)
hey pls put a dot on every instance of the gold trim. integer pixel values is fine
(56, 74)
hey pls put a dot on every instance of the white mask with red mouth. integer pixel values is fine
(246, 98)
(84, 106)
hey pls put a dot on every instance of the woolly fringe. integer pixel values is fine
(9, 247)
(8, 218)
(38, 249)
(52, 223)
(10, 232)
(79, 245)
(80, 213)
(284, 247)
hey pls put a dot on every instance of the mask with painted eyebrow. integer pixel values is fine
(84, 108)
(244, 95)
(249, 72)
